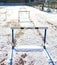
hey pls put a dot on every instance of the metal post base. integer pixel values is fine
(44, 47)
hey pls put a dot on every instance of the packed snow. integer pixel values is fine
(12, 16)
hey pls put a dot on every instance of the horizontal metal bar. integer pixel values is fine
(29, 27)
(25, 11)
(28, 50)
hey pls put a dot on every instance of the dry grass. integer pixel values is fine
(12, 23)
(19, 61)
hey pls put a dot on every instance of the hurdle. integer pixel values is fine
(13, 28)
(30, 50)
(21, 17)
(26, 50)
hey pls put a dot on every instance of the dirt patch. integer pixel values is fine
(19, 33)
(12, 23)
(2, 60)
(24, 55)
(24, 59)
(2, 64)
(52, 25)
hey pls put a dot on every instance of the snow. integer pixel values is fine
(27, 38)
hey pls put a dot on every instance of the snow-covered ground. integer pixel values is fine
(9, 17)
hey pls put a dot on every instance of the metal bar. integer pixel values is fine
(45, 37)
(51, 61)
(24, 11)
(11, 60)
(12, 38)
(28, 50)
(12, 35)
(29, 27)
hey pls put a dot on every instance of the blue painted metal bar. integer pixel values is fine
(49, 57)
(12, 38)
(45, 36)
(12, 35)
(46, 48)
(11, 60)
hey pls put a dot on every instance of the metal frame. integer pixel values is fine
(24, 12)
(13, 28)
(30, 50)
(26, 50)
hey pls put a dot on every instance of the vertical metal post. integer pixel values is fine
(12, 38)
(11, 60)
(45, 37)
